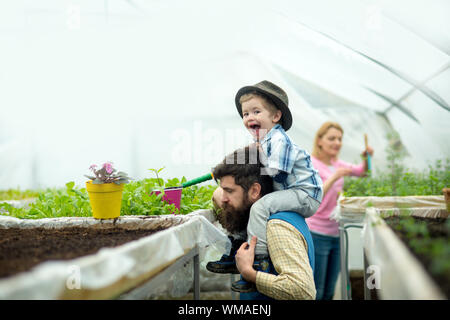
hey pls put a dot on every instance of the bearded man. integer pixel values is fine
(288, 271)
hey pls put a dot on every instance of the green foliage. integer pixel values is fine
(17, 194)
(409, 183)
(435, 249)
(196, 197)
(411, 228)
(398, 180)
(160, 181)
(52, 203)
(395, 154)
(137, 200)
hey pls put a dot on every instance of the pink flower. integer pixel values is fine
(108, 167)
(92, 167)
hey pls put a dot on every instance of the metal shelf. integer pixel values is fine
(145, 290)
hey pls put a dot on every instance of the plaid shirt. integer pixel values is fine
(288, 251)
(289, 165)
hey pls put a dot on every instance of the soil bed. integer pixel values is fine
(21, 249)
(438, 231)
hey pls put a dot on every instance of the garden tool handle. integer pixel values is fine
(203, 178)
(369, 162)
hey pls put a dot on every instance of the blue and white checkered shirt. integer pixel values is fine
(289, 165)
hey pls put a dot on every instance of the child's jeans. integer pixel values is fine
(284, 200)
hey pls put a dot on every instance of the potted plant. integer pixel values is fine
(105, 190)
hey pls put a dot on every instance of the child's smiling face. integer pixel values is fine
(258, 119)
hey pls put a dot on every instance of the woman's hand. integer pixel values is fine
(341, 172)
(244, 260)
(368, 150)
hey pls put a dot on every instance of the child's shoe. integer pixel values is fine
(226, 264)
(243, 286)
(261, 263)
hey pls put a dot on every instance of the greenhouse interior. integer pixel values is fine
(118, 118)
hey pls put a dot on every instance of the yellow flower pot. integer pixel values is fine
(105, 199)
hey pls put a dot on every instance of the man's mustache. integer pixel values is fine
(234, 220)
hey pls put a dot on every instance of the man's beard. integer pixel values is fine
(233, 219)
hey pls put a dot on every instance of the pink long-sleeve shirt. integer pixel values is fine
(320, 222)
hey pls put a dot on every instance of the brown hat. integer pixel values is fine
(275, 94)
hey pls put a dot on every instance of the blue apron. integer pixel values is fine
(300, 224)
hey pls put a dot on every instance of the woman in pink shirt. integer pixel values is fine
(325, 233)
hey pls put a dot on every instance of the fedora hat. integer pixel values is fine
(275, 94)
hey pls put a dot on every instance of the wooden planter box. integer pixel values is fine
(351, 212)
(111, 271)
(355, 207)
(400, 275)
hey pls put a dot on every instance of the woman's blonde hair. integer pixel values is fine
(321, 132)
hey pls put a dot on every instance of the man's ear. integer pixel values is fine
(254, 192)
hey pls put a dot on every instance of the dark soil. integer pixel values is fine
(438, 230)
(22, 249)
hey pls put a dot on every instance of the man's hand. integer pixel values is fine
(217, 198)
(244, 260)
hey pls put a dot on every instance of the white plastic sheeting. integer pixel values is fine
(148, 84)
(112, 271)
(354, 208)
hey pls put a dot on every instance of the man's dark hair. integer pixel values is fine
(245, 166)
